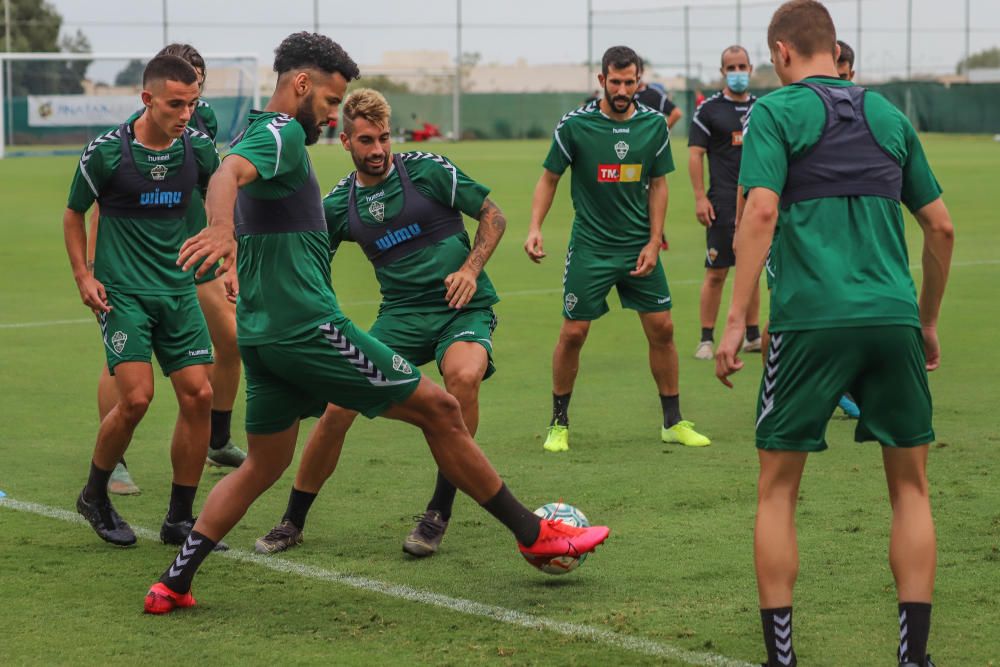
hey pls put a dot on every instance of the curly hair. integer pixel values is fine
(185, 51)
(368, 104)
(312, 50)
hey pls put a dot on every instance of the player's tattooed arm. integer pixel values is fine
(492, 225)
(462, 283)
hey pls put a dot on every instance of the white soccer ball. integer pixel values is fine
(571, 516)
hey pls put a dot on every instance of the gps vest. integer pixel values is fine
(129, 194)
(421, 222)
(847, 160)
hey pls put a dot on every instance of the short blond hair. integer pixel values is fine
(366, 103)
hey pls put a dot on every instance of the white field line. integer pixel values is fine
(503, 295)
(400, 592)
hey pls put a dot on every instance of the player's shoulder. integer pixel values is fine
(339, 192)
(108, 140)
(589, 111)
(198, 138)
(420, 162)
(279, 125)
(646, 116)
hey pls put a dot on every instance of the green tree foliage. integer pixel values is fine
(35, 27)
(984, 58)
(131, 75)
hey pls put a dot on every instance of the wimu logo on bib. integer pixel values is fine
(399, 236)
(160, 198)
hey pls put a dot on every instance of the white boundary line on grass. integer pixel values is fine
(400, 592)
(504, 295)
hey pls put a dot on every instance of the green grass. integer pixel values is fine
(678, 569)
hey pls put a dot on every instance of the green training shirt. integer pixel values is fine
(285, 276)
(415, 283)
(836, 261)
(139, 255)
(612, 164)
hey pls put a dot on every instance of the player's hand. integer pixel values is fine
(533, 246)
(232, 285)
(727, 360)
(704, 211)
(92, 294)
(932, 348)
(646, 261)
(461, 288)
(211, 244)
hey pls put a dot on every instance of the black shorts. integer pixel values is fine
(719, 242)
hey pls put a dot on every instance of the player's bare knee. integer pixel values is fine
(661, 333)
(715, 279)
(196, 398)
(463, 382)
(574, 334)
(134, 404)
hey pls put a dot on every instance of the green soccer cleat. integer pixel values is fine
(557, 440)
(121, 483)
(683, 433)
(228, 456)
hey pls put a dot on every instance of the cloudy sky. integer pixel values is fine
(538, 31)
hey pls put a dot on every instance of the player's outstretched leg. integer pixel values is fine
(120, 483)
(220, 316)
(776, 552)
(319, 460)
(463, 368)
(663, 362)
(912, 548)
(565, 366)
(437, 414)
(134, 381)
(267, 457)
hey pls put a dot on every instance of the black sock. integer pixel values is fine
(778, 637)
(97, 483)
(671, 409)
(180, 573)
(221, 421)
(443, 498)
(914, 627)
(299, 503)
(511, 513)
(707, 334)
(124, 465)
(181, 503)
(753, 332)
(560, 409)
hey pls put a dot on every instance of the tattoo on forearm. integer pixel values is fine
(492, 225)
(90, 265)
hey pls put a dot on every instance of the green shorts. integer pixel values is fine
(421, 337)
(171, 326)
(333, 363)
(807, 372)
(590, 275)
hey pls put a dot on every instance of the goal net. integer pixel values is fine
(54, 103)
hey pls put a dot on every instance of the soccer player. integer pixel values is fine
(405, 211)
(143, 174)
(219, 313)
(620, 155)
(828, 163)
(845, 61)
(717, 131)
(299, 350)
(655, 97)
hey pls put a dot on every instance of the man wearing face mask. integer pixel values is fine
(717, 131)
(620, 155)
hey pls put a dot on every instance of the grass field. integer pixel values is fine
(674, 585)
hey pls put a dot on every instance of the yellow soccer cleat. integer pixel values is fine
(557, 440)
(683, 433)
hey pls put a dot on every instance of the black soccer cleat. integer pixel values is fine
(175, 532)
(105, 521)
(926, 663)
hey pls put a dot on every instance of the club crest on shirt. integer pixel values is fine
(118, 341)
(158, 172)
(399, 364)
(621, 150)
(377, 210)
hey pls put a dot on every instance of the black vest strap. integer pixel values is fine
(129, 194)
(422, 223)
(847, 161)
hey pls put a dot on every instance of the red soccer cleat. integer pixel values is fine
(162, 600)
(559, 539)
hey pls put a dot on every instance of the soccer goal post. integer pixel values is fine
(54, 103)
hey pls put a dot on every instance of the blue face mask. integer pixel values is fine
(738, 82)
